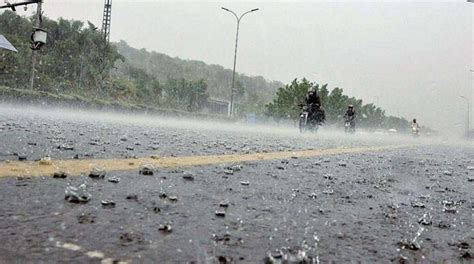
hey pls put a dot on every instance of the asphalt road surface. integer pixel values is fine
(146, 189)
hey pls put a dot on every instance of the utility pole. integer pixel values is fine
(106, 19)
(231, 108)
(33, 51)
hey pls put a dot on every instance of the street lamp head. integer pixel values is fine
(256, 9)
(225, 9)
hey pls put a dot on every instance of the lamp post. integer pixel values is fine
(231, 108)
(468, 118)
(38, 37)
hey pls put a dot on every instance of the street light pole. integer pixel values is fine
(231, 108)
(468, 116)
(33, 52)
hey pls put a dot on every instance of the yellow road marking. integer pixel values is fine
(78, 167)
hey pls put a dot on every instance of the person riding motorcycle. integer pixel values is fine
(350, 116)
(415, 127)
(313, 102)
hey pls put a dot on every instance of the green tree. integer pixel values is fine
(197, 95)
(186, 95)
(218, 79)
(75, 59)
(288, 100)
(335, 102)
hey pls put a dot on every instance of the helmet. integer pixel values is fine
(350, 106)
(414, 120)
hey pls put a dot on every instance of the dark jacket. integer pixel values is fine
(313, 99)
(350, 114)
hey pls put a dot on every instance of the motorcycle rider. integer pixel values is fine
(312, 97)
(313, 102)
(350, 116)
(415, 127)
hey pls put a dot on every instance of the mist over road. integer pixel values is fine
(145, 189)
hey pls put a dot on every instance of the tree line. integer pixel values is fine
(289, 98)
(251, 93)
(77, 60)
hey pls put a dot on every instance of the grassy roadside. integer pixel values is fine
(15, 95)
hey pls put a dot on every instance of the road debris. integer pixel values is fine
(107, 203)
(166, 228)
(245, 183)
(220, 213)
(77, 194)
(146, 169)
(97, 173)
(113, 179)
(60, 174)
(188, 176)
(46, 161)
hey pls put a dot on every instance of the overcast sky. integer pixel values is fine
(411, 58)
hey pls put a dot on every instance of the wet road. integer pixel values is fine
(386, 199)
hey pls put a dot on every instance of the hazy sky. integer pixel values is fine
(411, 58)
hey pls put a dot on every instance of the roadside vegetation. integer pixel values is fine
(77, 61)
(77, 65)
(288, 101)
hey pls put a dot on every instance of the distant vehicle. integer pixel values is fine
(349, 125)
(415, 128)
(392, 130)
(350, 116)
(309, 121)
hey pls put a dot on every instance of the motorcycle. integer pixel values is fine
(306, 122)
(415, 131)
(349, 126)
